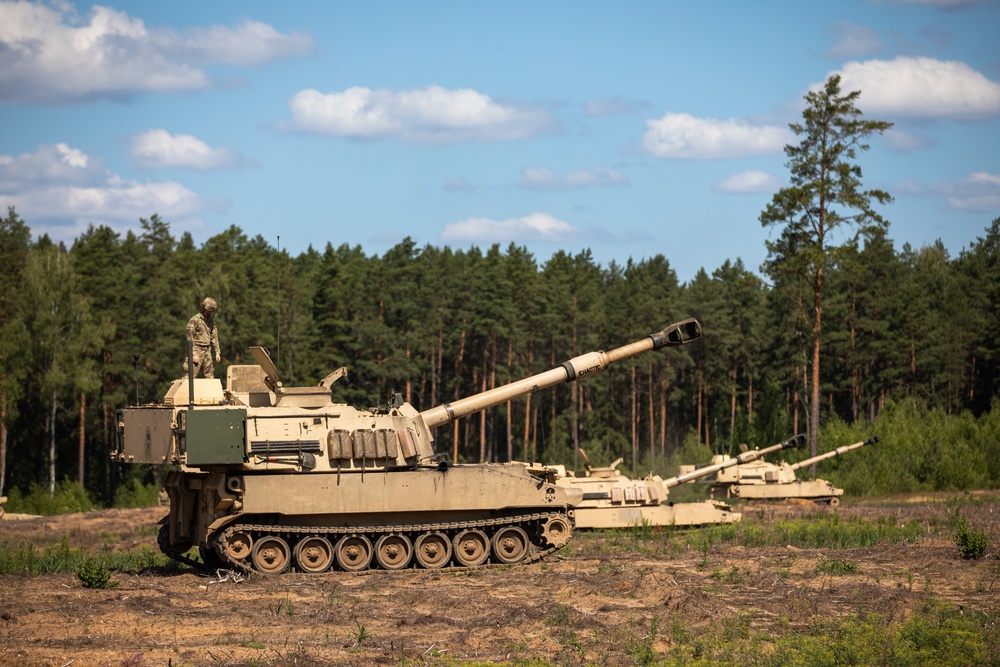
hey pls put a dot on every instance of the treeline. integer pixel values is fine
(100, 325)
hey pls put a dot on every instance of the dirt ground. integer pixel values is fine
(592, 602)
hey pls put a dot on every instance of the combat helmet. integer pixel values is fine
(208, 305)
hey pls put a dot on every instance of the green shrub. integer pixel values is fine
(971, 542)
(836, 566)
(93, 574)
(136, 494)
(69, 497)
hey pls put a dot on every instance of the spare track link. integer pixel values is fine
(525, 521)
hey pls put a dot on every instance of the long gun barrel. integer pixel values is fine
(585, 365)
(836, 452)
(745, 457)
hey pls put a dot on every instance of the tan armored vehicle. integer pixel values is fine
(762, 480)
(273, 477)
(612, 500)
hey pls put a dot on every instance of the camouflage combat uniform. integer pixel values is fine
(205, 337)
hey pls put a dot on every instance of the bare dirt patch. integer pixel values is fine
(595, 601)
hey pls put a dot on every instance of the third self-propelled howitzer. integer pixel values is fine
(612, 500)
(273, 477)
(763, 480)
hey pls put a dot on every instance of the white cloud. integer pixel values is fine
(905, 142)
(460, 185)
(542, 178)
(611, 106)
(749, 182)
(249, 43)
(51, 55)
(920, 88)
(979, 191)
(158, 148)
(853, 41)
(430, 115)
(682, 136)
(533, 227)
(61, 190)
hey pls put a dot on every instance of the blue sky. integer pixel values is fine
(629, 128)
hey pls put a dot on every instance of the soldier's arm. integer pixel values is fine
(192, 327)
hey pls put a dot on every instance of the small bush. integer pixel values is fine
(136, 494)
(93, 574)
(69, 496)
(835, 566)
(971, 542)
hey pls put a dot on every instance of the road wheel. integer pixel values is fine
(472, 547)
(510, 544)
(433, 550)
(354, 553)
(314, 554)
(270, 555)
(393, 552)
(238, 545)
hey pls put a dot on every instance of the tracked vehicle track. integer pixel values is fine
(457, 545)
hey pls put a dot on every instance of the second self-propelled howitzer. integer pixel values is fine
(273, 477)
(763, 480)
(612, 500)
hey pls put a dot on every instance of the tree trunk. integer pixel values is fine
(52, 446)
(510, 406)
(528, 434)
(817, 327)
(573, 396)
(83, 437)
(732, 408)
(3, 440)
(634, 418)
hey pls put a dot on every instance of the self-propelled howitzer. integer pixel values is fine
(273, 477)
(763, 480)
(612, 500)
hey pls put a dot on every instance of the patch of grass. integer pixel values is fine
(836, 566)
(360, 634)
(940, 633)
(24, 558)
(815, 532)
(641, 649)
(282, 607)
(559, 617)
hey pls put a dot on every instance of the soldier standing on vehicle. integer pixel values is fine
(204, 337)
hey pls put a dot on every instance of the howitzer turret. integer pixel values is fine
(763, 480)
(273, 477)
(612, 500)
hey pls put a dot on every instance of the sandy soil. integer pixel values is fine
(591, 603)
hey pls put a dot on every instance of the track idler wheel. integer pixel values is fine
(510, 545)
(556, 531)
(472, 547)
(314, 554)
(433, 550)
(354, 553)
(270, 555)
